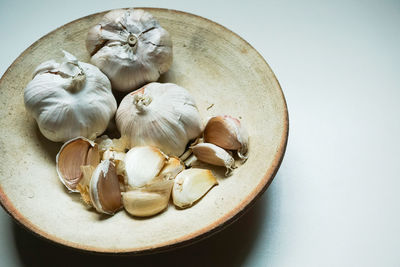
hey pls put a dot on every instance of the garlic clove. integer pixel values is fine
(190, 185)
(172, 167)
(143, 204)
(114, 155)
(104, 188)
(214, 155)
(149, 200)
(227, 132)
(72, 155)
(93, 156)
(143, 164)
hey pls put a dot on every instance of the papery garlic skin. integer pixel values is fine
(70, 99)
(84, 183)
(117, 145)
(130, 47)
(163, 115)
(73, 154)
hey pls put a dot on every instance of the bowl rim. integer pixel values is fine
(185, 240)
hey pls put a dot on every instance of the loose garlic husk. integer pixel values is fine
(149, 175)
(130, 47)
(117, 145)
(72, 155)
(104, 189)
(190, 185)
(214, 155)
(69, 99)
(227, 132)
(160, 115)
(84, 183)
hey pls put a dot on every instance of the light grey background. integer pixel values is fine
(335, 200)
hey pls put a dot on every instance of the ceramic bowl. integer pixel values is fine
(223, 73)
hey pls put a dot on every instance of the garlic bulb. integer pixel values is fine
(130, 47)
(105, 194)
(227, 132)
(190, 185)
(72, 155)
(70, 99)
(160, 115)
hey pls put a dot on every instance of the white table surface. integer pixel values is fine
(335, 200)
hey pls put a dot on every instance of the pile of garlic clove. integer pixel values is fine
(162, 132)
(110, 174)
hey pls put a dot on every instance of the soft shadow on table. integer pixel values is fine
(230, 247)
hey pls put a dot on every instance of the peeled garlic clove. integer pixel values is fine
(143, 204)
(143, 164)
(214, 155)
(105, 193)
(72, 155)
(94, 40)
(227, 132)
(149, 200)
(172, 167)
(190, 185)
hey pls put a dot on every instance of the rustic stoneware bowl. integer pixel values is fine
(224, 74)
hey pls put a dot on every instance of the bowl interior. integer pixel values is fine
(223, 73)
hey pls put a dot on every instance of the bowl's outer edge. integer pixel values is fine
(188, 239)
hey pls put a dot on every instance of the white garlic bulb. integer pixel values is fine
(160, 115)
(130, 47)
(70, 99)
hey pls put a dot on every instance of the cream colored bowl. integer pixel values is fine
(224, 74)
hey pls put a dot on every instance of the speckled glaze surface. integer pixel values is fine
(223, 73)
